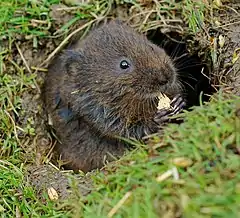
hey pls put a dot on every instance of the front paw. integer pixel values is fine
(177, 104)
(164, 115)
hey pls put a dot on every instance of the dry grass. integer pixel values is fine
(147, 182)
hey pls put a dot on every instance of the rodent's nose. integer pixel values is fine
(163, 80)
(166, 75)
(161, 77)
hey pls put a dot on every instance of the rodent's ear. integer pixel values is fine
(71, 59)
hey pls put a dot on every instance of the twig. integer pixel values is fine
(24, 60)
(39, 69)
(119, 204)
(173, 172)
(14, 127)
(229, 24)
(67, 38)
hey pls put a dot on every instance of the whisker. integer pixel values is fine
(164, 43)
(176, 51)
(188, 84)
(151, 106)
(183, 68)
(144, 109)
(187, 62)
(175, 59)
(187, 77)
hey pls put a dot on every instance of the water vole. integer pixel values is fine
(106, 86)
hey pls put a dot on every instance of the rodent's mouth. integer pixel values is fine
(151, 96)
(170, 90)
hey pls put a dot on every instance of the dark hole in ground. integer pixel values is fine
(193, 73)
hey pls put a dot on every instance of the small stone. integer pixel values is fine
(182, 162)
(52, 194)
(221, 41)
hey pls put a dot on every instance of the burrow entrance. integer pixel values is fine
(194, 74)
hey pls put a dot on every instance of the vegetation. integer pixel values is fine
(191, 171)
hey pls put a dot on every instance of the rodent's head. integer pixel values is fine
(117, 60)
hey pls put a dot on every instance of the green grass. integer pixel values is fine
(16, 16)
(208, 187)
(17, 199)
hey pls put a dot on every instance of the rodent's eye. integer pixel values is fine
(124, 64)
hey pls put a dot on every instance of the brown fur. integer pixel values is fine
(106, 101)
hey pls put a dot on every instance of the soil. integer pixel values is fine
(65, 183)
(222, 39)
(230, 56)
(42, 175)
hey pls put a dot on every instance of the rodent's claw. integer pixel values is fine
(164, 115)
(177, 104)
(178, 101)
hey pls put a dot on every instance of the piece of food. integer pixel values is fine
(164, 102)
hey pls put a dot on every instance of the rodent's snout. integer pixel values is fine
(163, 76)
(164, 79)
